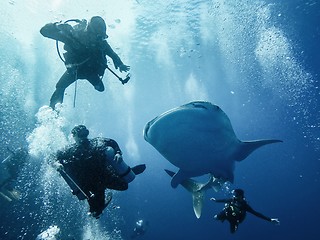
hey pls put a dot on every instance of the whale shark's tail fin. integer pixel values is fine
(198, 190)
(246, 148)
(197, 200)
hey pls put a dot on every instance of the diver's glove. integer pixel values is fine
(58, 166)
(275, 221)
(119, 65)
(64, 28)
(124, 68)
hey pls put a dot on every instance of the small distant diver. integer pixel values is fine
(90, 166)
(11, 168)
(140, 228)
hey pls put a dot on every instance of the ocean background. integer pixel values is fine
(258, 60)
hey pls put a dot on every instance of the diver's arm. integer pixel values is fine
(54, 162)
(257, 214)
(57, 165)
(220, 200)
(58, 31)
(115, 58)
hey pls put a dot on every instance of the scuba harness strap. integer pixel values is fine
(75, 88)
(233, 209)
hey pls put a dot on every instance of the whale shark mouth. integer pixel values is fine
(150, 123)
(147, 127)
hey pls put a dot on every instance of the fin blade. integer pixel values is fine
(139, 169)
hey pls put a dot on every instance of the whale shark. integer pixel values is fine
(198, 138)
(198, 190)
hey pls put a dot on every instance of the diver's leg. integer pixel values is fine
(220, 216)
(96, 81)
(66, 79)
(116, 183)
(97, 203)
(233, 227)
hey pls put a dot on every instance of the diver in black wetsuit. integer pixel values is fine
(140, 228)
(85, 57)
(11, 169)
(235, 210)
(94, 165)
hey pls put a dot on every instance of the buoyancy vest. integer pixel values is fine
(234, 209)
(120, 167)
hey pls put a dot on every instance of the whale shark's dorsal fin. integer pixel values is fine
(247, 147)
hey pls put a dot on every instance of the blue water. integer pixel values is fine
(257, 60)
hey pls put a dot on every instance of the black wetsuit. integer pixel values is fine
(235, 212)
(85, 57)
(86, 164)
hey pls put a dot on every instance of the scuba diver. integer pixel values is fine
(85, 57)
(235, 210)
(51, 233)
(10, 171)
(90, 166)
(140, 228)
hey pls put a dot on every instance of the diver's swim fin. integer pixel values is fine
(139, 169)
(106, 203)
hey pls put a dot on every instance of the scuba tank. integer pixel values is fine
(120, 167)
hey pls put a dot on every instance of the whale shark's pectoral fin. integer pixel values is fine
(178, 178)
(246, 148)
(197, 199)
(189, 184)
